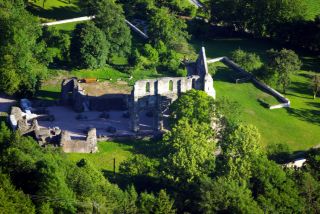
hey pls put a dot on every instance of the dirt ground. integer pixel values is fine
(102, 88)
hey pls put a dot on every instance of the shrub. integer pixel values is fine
(248, 61)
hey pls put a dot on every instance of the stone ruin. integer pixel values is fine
(51, 136)
(152, 95)
(73, 94)
(156, 95)
(79, 145)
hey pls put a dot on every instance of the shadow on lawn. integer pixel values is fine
(151, 149)
(311, 64)
(308, 115)
(141, 183)
(302, 89)
(58, 13)
(314, 104)
(224, 74)
(148, 147)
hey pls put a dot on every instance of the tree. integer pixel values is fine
(239, 148)
(250, 62)
(273, 188)
(11, 200)
(89, 48)
(282, 64)
(110, 19)
(167, 27)
(21, 50)
(259, 17)
(156, 204)
(315, 85)
(310, 190)
(151, 53)
(189, 151)
(194, 105)
(226, 196)
(58, 42)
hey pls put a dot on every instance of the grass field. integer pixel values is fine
(55, 9)
(298, 126)
(103, 160)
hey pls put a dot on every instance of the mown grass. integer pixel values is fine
(67, 27)
(103, 160)
(298, 126)
(55, 9)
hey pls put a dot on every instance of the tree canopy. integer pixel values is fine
(89, 47)
(23, 55)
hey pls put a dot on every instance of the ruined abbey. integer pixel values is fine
(151, 95)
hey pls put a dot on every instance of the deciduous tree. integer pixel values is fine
(89, 47)
(189, 151)
(283, 64)
(110, 19)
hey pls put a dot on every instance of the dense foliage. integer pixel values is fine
(54, 184)
(22, 54)
(89, 47)
(285, 21)
(250, 62)
(232, 175)
(280, 66)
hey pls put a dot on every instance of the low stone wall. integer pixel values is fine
(87, 145)
(225, 60)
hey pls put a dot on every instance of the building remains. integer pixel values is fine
(152, 95)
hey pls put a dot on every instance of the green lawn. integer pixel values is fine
(55, 9)
(103, 160)
(298, 126)
(66, 28)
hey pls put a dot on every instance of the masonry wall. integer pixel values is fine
(87, 145)
(273, 92)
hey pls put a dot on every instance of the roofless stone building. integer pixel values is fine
(151, 95)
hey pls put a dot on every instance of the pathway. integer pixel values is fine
(196, 3)
(86, 18)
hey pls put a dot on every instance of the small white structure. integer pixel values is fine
(296, 163)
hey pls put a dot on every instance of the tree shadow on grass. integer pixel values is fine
(308, 115)
(314, 104)
(311, 64)
(58, 13)
(141, 183)
(224, 74)
(151, 148)
(302, 89)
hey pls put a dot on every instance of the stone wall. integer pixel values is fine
(268, 89)
(72, 93)
(157, 94)
(87, 145)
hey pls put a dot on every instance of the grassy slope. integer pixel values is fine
(103, 159)
(299, 126)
